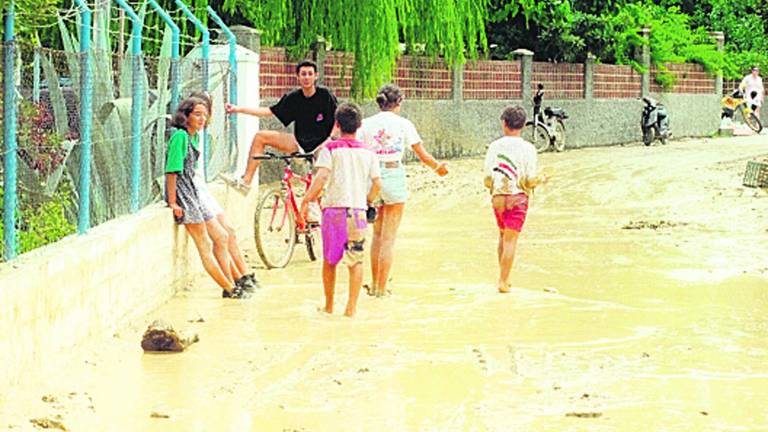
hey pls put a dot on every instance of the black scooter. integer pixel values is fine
(654, 122)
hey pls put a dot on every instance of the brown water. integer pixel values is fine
(660, 327)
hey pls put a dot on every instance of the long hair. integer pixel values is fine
(389, 96)
(185, 108)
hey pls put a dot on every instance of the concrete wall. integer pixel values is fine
(455, 129)
(56, 296)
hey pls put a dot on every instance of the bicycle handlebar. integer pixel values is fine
(272, 156)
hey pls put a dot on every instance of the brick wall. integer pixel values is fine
(277, 74)
(615, 82)
(561, 80)
(423, 78)
(492, 80)
(690, 78)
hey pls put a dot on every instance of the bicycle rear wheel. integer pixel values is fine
(753, 122)
(536, 135)
(313, 241)
(274, 229)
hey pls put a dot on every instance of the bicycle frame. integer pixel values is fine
(290, 202)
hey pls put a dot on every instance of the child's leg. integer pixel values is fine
(220, 239)
(329, 283)
(376, 250)
(233, 247)
(391, 215)
(507, 258)
(500, 247)
(204, 246)
(355, 281)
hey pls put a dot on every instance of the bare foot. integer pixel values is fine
(504, 288)
(349, 313)
(325, 310)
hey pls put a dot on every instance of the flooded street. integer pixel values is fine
(639, 302)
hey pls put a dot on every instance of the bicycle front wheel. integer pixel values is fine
(752, 121)
(536, 135)
(274, 229)
(559, 140)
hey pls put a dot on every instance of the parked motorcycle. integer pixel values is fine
(547, 127)
(654, 122)
(736, 102)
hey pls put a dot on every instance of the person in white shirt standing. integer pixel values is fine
(511, 175)
(751, 85)
(388, 135)
(347, 167)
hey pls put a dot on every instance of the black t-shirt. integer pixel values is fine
(313, 116)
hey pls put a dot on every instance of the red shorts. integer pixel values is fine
(510, 211)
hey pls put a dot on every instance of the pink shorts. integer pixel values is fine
(343, 234)
(510, 211)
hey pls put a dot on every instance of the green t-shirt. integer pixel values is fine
(177, 151)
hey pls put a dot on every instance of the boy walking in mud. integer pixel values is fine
(511, 175)
(347, 166)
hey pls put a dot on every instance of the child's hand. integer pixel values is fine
(229, 108)
(442, 169)
(178, 212)
(304, 211)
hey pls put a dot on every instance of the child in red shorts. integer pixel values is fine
(511, 175)
(347, 166)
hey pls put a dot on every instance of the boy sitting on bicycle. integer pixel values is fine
(511, 175)
(347, 166)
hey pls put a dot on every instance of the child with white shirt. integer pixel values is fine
(511, 175)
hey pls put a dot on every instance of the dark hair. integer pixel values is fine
(305, 63)
(389, 96)
(513, 117)
(208, 99)
(349, 117)
(185, 108)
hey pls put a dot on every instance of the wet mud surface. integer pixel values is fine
(639, 302)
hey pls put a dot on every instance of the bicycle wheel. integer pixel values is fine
(536, 135)
(559, 140)
(274, 229)
(752, 121)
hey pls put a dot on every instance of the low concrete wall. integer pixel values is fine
(56, 296)
(456, 129)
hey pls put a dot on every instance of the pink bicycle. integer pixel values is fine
(278, 225)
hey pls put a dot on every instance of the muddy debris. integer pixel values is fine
(638, 225)
(46, 423)
(159, 415)
(551, 290)
(584, 414)
(162, 337)
(50, 399)
(704, 413)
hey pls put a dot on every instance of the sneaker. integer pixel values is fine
(239, 293)
(252, 278)
(236, 183)
(247, 284)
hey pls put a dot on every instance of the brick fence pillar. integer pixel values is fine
(318, 54)
(719, 38)
(247, 37)
(526, 74)
(589, 80)
(643, 56)
(457, 82)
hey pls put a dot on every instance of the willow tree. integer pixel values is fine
(372, 30)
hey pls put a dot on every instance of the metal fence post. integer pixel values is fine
(232, 79)
(136, 104)
(175, 36)
(9, 135)
(206, 48)
(86, 117)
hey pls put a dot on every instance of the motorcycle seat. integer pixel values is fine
(555, 112)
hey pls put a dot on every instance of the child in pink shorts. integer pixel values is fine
(511, 174)
(347, 166)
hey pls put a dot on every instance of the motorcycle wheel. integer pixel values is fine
(536, 135)
(559, 136)
(753, 122)
(648, 135)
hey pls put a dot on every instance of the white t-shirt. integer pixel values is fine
(750, 84)
(508, 159)
(388, 135)
(352, 167)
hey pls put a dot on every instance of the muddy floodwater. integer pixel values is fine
(639, 302)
